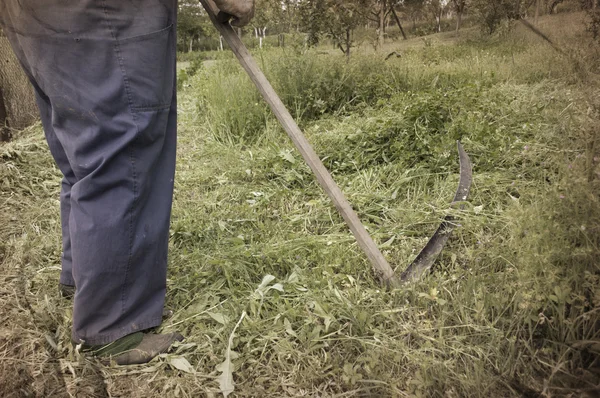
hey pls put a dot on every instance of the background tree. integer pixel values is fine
(312, 15)
(415, 10)
(459, 8)
(393, 5)
(269, 13)
(290, 14)
(335, 19)
(343, 16)
(190, 23)
(492, 13)
(436, 9)
(378, 12)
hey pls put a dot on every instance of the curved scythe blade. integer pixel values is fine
(436, 244)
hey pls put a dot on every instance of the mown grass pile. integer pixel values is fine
(510, 309)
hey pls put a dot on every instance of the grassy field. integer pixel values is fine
(267, 283)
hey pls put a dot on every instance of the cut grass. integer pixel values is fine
(510, 309)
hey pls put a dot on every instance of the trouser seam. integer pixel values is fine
(131, 156)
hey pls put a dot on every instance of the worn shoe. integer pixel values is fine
(134, 349)
(66, 291)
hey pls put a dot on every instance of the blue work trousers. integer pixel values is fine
(104, 77)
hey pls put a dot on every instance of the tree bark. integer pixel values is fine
(382, 9)
(459, 7)
(438, 18)
(398, 22)
(4, 130)
(348, 44)
(261, 34)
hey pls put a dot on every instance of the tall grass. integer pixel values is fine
(313, 85)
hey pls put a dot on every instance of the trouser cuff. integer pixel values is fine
(110, 337)
(66, 279)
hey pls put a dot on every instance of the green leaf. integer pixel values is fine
(388, 243)
(221, 318)
(277, 286)
(180, 363)
(265, 282)
(288, 327)
(287, 156)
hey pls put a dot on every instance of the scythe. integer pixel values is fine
(383, 270)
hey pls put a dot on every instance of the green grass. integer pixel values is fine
(510, 309)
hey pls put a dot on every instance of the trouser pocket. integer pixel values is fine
(148, 63)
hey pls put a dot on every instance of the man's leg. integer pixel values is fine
(59, 155)
(108, 71)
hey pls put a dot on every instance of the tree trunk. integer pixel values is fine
(458, 20)
(537, 11)
(191, 45)
(381, 37)
(221, 42)
(4, 131)
(348, 44)
(398, 22)
(437, 16)
(262, 33)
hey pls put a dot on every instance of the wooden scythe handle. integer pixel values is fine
(379, 263)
